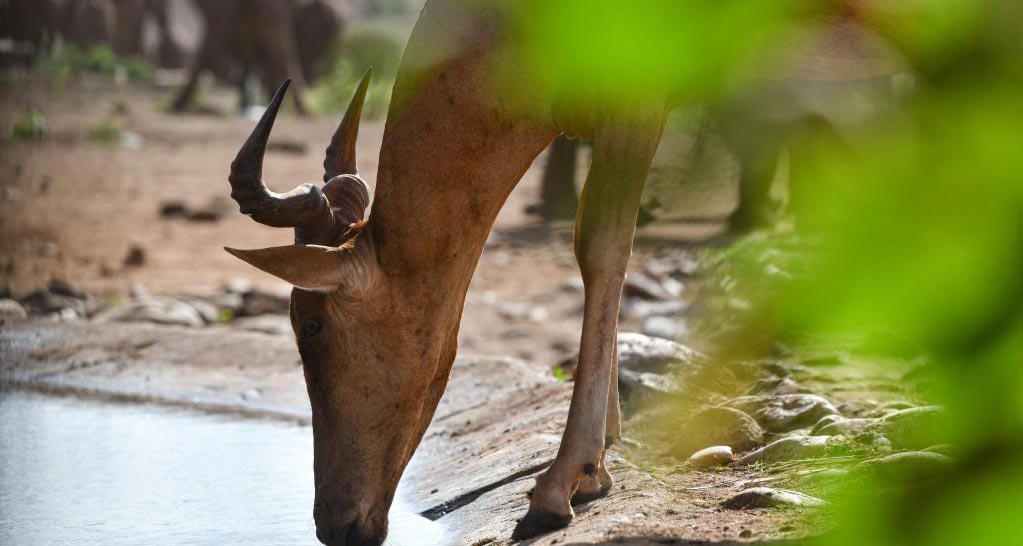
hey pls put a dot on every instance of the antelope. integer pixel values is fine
(377, 299)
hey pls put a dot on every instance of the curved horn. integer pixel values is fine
(304, 208)
(341, 152)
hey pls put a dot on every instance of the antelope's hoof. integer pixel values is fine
(537, 523)
(582, 497)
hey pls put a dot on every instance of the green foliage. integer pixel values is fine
(224, 316)
(357, 54)
(30, 125)
(107, 131)
(70, 62)
(915, 226)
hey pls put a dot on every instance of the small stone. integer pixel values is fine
(11, 311)
(823, 422)
(155, 310)
(238, 285)
(845, 427)
(906, 467)
(640, 309)
(136, 256)
(522, 311)
(947, 450)
(719, 427)
(251, 394)
(766, 497)
(711, 457)
(664, 327)
(913, 428)
(257, 302)
(644, 353)
(206, 310)
(826, 477)
(646, 286)
(573, 284)
(274, 325)
(788, 449)
(785, 412)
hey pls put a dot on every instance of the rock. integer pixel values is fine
(776, 386)
(888, 408)
(644, 353)
(58, 297)
(214, 210)
(646, 286)
(947, 450)
(825, 421)
(913, 428)
(522, 311)
(766, 497)
(11, 311)
(664, 327)
(785, 412)
(136, 256)
(826, 477)
(906, 467)
(156, 310)
(791, 448)
(641, 309)
(206, 310)
(251, 394)
(711, 457)
(718, 427)
(275, 325)
(573, 284)
(257, 302)
(238, 285)
(635, 386)
(844, 427)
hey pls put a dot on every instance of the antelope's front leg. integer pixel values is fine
(623, 149)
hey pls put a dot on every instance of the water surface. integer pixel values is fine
(89, 473)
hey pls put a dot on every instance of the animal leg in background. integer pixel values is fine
(624, 146)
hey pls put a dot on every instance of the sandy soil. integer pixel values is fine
(73, 208)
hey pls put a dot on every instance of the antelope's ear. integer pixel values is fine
(309, 267)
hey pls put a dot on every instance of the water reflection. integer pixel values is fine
(84, 472)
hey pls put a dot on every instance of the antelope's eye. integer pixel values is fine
(312, 326)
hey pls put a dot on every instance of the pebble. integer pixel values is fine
(665, 327)
(643, 353)
(275, 325)
(646, 286)
(845, 427)
(786, 412)
(10, 311)
(766, 497)
(522, 311)
(788, 449)
(155, 310)
(711, 457)
(913, 428)
(718, 426)
(906, 467)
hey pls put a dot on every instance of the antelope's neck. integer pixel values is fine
(450, 156)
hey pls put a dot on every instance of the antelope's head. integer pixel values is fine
(369, 405)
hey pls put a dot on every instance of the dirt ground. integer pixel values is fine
(73, 208)
(87, 210)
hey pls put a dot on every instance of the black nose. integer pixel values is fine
(351, 534)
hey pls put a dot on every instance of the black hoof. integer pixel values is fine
(582, 498)
(537, 523)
